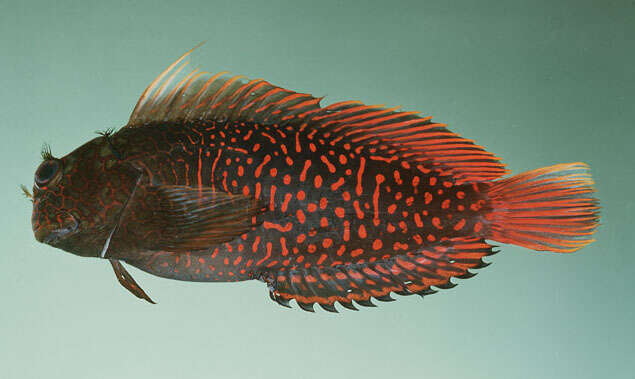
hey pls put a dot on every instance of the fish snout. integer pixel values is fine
(50, 234)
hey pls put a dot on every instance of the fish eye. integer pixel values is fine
(47, 171)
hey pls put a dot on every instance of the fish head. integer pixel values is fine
(78, 199)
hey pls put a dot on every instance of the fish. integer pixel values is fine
(221, 178)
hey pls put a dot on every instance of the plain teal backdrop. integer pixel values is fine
(536, 82)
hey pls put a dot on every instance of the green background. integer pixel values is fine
(536, 82)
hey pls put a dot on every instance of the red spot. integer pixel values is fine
(273, 172)
(327, 242)
(312, 207)
(341, 250)
(347, 230)
(391, 228)
(289, 161)
(433, 180)
(254, 247)
(337, 184)
(324, 222)
(307, 164)
(241, 171)
(285, 203)
(460, 195)
(437, 223)
(340, 212)
(317, 181)
(323, 202)
(343, 159)
(311, 248)
(283, 245)
(301, 238)
(265, 160)
(300, 215)
(409, 201)
(459, 225)
(287, 179)
(346, 196)
(356, 252)
(328, 164)
(477, 227)
(447, 184)
(301, 195)
(237, 260)
(272, 198)
(246, 190)
(418, 220)
(278, 227)
(392, 208)
(358, 211)
(377, 244)
(360, 173)
(427, 197)
(445, 204)
(362, 231)
(320, 261)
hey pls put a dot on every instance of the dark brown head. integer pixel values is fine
(78, 198)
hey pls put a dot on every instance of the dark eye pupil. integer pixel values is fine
(46, 171)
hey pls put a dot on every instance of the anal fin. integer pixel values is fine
(407, 274)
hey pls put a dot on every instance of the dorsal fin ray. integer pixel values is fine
(182, 93)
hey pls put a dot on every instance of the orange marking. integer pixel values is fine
(257, 193)
(322, 259)
(311, 248)
(362, 231)
(478, 226)
(327, 242)
(445, 204)
(328, 164)
(433, 180)
(254, 247)
(278, 227)
(459, 225)
(269, 247)
(337, 184)
(214, 168)
(358, 211)
(356, 252)
(312, 207)
(272, 198)
(300, 215)
(285, 203)
(324, 222)
(460, 195)
(301, 195)
(360, 172)
(283, 245)
(273, 172)
(265, 160)
(323, 202)
(307, 164)
(418, 220)
(377, 244)
(437, 223)
(301, 238)
(341, 250)
(428, 197)
(318, 181)
(286, 179)
(346, 196)
(340, 212)
(347, 231)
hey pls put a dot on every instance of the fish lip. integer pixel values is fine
(50, 237)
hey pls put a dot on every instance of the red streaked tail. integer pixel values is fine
(550, 208)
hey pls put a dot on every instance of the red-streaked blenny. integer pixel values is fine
(217, 178)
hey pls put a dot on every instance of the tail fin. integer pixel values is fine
(551, 208)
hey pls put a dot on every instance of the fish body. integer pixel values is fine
(219, 178)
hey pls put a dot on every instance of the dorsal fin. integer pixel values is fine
(182, 93)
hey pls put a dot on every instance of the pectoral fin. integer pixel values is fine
(181, 218)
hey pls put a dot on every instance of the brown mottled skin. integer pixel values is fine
(99, 178)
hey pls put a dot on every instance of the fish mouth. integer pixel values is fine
(51, 236)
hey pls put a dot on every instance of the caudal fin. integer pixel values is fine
(550, 208)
